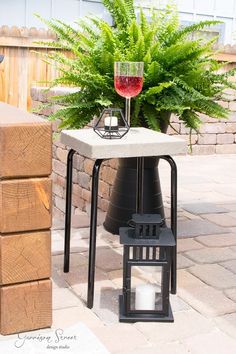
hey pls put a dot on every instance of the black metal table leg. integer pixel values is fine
(93, 232)
(140, 180)
(173, 166)
(68, 210)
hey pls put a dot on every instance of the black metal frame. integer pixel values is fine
(131, 315)
(117, 133)
(93, 216)
(173, 218)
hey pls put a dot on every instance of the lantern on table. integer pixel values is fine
(111, 124)
(146, 244)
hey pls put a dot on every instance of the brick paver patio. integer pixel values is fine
(205, 306)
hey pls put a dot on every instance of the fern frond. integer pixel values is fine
(184, 32)
(180, 75)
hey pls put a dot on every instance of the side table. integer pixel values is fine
(139, 142)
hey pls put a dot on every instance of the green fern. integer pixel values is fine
(180, 74)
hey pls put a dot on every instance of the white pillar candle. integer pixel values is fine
(145, 297)
(111, 122)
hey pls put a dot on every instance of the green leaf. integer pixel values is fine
(157, 89)
(103, 101)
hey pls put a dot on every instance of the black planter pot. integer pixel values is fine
(123, 199)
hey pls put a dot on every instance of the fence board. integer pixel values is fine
(21, 67)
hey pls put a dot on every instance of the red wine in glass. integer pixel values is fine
(128, 86)
(128, 82)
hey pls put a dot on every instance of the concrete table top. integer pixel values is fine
(136, 143)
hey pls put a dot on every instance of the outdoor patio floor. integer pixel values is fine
(205, 305)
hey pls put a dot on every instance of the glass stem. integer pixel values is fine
(127, 110)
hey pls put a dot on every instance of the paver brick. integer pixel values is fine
(59, 167)
(231, 127)
(211, 255)
(88, 166)
(230, 206)
(215, 342)
(203, 149)
(117, 338)
(58, 190)
(227, 138)
(84, 180)
(60, 203)
(232, 106)
(218, 240)
(62, 154)
(178, 304)
(164, 348)
(227, 324)
(207, 139)
(183, 262)
(230, 265)
(214, 275)
(205, 299)
(103, 204)
(191, 228)
(63, 298)
(226, 149)
(221, 219)
(224, 104)
(63, 318)
(204, 208)
(78, 162)
(108, 259)
(188, 244)
(76, 261)
(104, 189)
(58, 215)
(186, 324)
(212, 128)
(231, 293)
(113, 163)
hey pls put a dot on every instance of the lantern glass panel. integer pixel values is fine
(146, 289)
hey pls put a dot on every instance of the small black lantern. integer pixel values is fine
(111, 124)
(148, 302)
(146, 225)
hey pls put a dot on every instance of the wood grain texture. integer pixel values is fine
(25, 307)
(25, 204)
(25, 144)
(17, 47)
(25, 257)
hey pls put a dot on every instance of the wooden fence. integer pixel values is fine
(21, 67)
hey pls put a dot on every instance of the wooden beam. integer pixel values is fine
(25, 204)
(25, 307)
(25, 257)
(25, 144)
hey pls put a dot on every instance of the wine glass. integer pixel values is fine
(128, 81)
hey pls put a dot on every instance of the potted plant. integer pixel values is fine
(181, 75)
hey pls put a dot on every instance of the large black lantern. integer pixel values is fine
(111, 124)
(146, 245)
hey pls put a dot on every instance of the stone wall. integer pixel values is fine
(216, 136)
